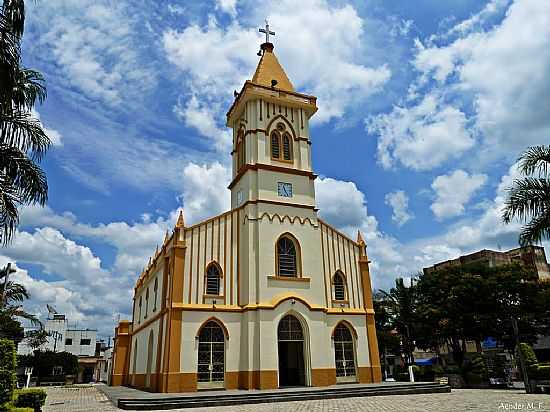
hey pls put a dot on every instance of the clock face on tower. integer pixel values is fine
(284, 189)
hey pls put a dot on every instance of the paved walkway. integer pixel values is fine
(89, 398)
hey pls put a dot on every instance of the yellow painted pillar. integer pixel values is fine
(374, 356)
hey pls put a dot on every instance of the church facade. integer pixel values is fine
(267, 294)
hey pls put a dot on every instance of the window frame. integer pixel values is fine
(341, 275)
(220, 277)
(298, 257)
(155, 290)
(281, 132)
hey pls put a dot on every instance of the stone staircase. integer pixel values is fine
(204, 399)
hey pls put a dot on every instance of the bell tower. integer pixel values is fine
(271, 142)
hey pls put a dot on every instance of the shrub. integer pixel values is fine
(28, 397)
(528, 354)
(7, 370)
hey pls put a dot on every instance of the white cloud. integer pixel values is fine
(200, 116)
(340, 85)
(78, 283)
(421, 137)
(502, 70)
(134, 242)
(94, 44)
(205, 191)
(453, 191)
(227, 6)
(399, 202)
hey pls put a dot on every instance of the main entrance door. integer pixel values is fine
(211, 361)
(291, 352)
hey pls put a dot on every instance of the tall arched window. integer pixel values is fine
(344, 353)
(240, 150)
(140, 304)
(287, 257)
(146, 302)
(281, 144)
(212, 281)
(339, 284)
(275, 146)
(287, 147)
(155, 289)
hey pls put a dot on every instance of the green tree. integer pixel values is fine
(473, 302)
(399, 307)
(23, 141)
(529, 197)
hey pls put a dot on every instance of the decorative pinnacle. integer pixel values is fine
(166, 236)
(180, 222)
(360, 239)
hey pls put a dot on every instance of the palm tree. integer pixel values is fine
(11, 309)
(529, 197)
(23, 142)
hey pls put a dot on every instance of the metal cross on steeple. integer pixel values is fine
(266, 31)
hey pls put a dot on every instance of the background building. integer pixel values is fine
(532, 257)
(82, 343)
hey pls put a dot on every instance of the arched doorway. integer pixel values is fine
(344, 354)
(149, 361)
(290, 339)
(211, 357)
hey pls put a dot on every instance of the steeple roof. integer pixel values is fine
(270, 69)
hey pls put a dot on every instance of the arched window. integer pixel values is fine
(240, 150)
(212, 282)
(140, 302)
(339, 284)
(281, 144)
(211, 354)
(146, 302)
(275, 146)
(344, 353)
(287, 147)
(287, 257)
(155, 289)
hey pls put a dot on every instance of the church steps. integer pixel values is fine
(206, 400)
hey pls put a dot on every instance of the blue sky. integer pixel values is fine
(423, 109)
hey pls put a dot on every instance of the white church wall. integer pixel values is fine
(191, 323)
(141, 338)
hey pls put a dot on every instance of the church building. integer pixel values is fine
(265, 295)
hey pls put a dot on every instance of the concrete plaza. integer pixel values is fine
(89, 398)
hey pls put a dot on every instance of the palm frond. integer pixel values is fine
(14, 12)
(21, 130)
(527, 197)
(9, 215)
(29, 87)
(536, 230)
(535, 159)
(14, 292)
(24, 174)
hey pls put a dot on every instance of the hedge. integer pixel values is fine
(7, 371)
(28, 397)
